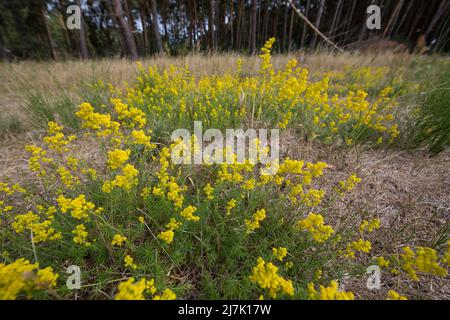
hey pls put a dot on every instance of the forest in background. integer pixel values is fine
(36, 29)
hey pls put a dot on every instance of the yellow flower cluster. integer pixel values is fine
(20, 277)
(117, 157)
(314, 224)
(265, 274)
(129, 262)
(369, 226)
(140, 138)
(329, 293)
(137, 290)
(168, 235)
(41, 231)
(188, 214)
(424, 260)
(118, 240)
(230, 206)
(37, 159)
(56, 139)
(349, 184)
(360, 245)
(254, 222)
(392, 295)
(80, 235)
(79, 207)
(126, 180)
(279, 253)
(102, 123)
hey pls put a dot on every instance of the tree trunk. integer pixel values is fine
(286, 15)
(144, 25)
(291, 27)
(211, 24)
(159, 45)
(318, 20)
(305, 27)
(390, 25)
(126, 30)
(48, 34)
(252, 34)
(239, 25)
(335, 22)
(404, 16)
(440, 12)
(84, 53)
(352, 12)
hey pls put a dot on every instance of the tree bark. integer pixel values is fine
(252, 34)
(318, 20)
(126, 30)
(144, 25)
(159, 45)
(440, 12)
(84, 53)
(305, 27)
(211, 25)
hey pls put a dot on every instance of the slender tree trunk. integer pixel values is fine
(211, 25)
(318, 20)
(291, 27)
(84, 53)
(252, 34)
(335, 24)
(125, 27)
(266, 20)
(404, 16)
(143, 16)
(239, 25)
(350, 20)
(440, 13)
(286, 16)
(390, 25)
(305, 27)
(159, 45)
(231, 23)
(48, 34)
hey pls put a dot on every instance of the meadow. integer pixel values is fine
(86, 178)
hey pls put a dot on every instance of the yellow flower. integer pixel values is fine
(369, 226)
(118, 240)
(80, 235)
(139, 137)
(314, 224)
(382, 262)
(131, 290)
(230, 206)
(187, 213)
(279, 253)
(20, 277)
(166, 236)
(265, 274)
(129, 262)
(392, 295)
(360, 245)
(117, 157)
(209, 191)
(329, 293)
(166, 295)
(254, 223)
